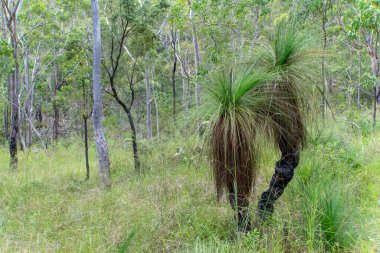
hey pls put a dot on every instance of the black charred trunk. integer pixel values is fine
(284, 172)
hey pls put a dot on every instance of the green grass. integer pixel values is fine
(332, 204)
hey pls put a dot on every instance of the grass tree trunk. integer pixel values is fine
(101, 144)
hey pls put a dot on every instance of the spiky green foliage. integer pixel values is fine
(234, 99)
(291, 56)
(266, 96)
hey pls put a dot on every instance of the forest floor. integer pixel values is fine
(332, 204)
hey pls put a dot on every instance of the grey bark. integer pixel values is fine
(6, 108)
(29, 99)
(55, 106)
(156, 107)
(197, 65)
(100, 140)
(184, 88)
(174, 46)
(10, 13)
(256, 16)
(373, 52)
(6, 123)
(148, 104)
(14, 102)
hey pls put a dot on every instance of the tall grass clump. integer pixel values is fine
(325, 193)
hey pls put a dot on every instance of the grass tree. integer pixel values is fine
(264, 97)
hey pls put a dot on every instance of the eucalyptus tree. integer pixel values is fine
(101, 144)
(33, 24)
(320, 9)
(128, 32)
(10, 12)
(121, 26)
(368, 22)
(6, 63)
(77, 51)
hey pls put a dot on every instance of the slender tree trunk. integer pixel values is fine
(197, 65)
(39, 118)
(56, 122)
(86, 147)
(28, 100)
(85, 116)
(323, 64)
(156, 107)
(55, 106)
(256, 16)
(14, 98)
(373, 51)
(359, 79)
(174, 43)
(148, 105)
(6, 123)
(54, 91)
(20, 135)
(134, 141)
(6, 108)
(101, 144)
(374, 106)
(184, 89)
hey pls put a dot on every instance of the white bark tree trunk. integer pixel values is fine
(101, 144)
(197, 65)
